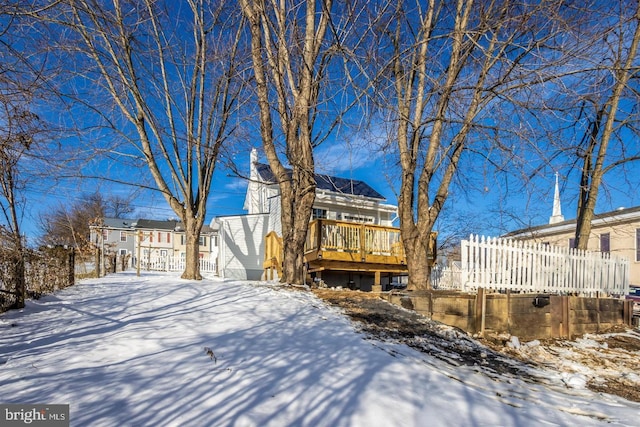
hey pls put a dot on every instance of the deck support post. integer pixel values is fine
(377, 286)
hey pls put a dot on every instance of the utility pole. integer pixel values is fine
(138, 253)
(102, 266)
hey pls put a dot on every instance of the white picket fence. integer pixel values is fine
(518, 266)
(447, 277)
(171, 263)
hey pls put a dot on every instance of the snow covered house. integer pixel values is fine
(351, 240)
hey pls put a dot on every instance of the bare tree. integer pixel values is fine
(22, 77)
(172, 71)
(16, 136)
(586, 107)
(291, 50)
(69, 224)
(448, 66)
(607, 97)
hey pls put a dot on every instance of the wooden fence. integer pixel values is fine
(518, 266)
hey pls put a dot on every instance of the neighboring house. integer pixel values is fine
(114, 235)
(150, 239)
(616, 232)
(351, 240)
(156, 238)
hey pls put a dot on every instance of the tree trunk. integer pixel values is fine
(419, 266)
(295, 226)
(192, 235)
(419, 248)
(17, 246)
(295, 99)
(593, 171)
(19, 279)
(182, 111)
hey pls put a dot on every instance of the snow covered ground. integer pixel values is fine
(130, 351)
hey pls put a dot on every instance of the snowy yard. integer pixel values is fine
(130, 351)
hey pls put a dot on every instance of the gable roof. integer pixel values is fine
(149, 224)
(335, 184)
(156, 224)
(118, 222)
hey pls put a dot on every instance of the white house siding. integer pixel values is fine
(275, 215)
(355, 209)
(241, 248)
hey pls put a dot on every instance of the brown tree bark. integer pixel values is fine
(286, 69)
(192, 261)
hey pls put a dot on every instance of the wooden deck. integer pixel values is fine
(341, 246)
(353, 244)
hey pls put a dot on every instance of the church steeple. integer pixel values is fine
(556, 215)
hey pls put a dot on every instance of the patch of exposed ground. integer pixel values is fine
(383, 320)
(609, 362)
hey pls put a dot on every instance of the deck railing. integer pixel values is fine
(273, 248)
(348, 237)
(342, 241)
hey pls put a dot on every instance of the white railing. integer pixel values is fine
(170, 263)
(502, 265)
(446, 278)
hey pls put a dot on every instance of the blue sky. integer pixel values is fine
(484, 203)
(491, 208)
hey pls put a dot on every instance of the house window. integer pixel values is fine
(637, 244)
(163, 253)
(123, 236)
(202, 241)
(168, 237)
(159, 237)
(182, 239)
(572, 243)
(122, 252)
(319, 214)
(605, 243)
(214, 241)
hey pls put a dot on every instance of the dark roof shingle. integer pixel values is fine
(329, 183)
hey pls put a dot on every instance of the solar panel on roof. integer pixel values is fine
(329, 183)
